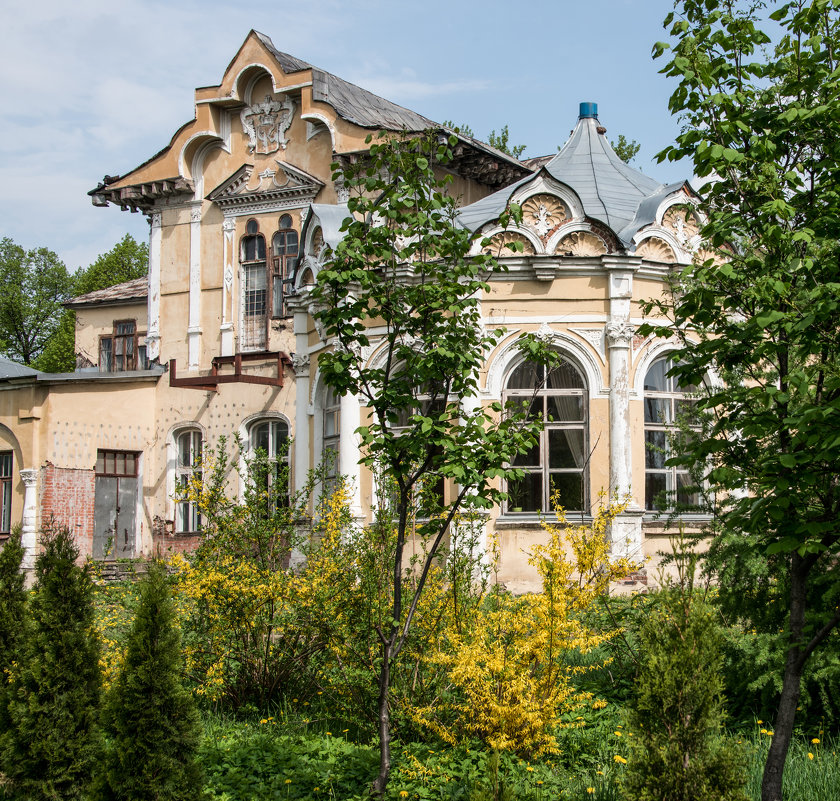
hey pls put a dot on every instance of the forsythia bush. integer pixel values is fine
(508, 667)
(254, 628)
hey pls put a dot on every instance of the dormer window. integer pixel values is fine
(120, 350)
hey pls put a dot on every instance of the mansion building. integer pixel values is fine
(219, 340)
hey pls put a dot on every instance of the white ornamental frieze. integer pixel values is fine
(266, 124)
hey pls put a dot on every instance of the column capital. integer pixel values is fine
(619, 333)
(29, 476)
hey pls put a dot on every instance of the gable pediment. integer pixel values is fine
(274, 188)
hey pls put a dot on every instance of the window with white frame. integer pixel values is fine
(269, 442)
(6, 464)
(557, 398)
(188, 474)
(668, 409)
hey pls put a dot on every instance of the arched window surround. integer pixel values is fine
(560, 460)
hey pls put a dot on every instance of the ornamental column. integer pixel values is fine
(29, 525)
(626, 530)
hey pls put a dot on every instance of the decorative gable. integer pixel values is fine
(249, 192)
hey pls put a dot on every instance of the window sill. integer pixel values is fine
(534, 520)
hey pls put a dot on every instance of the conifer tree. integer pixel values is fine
(53, 740)
(676, 752)
(12, 611)
(149, 715)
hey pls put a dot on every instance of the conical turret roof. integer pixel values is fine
(610, 191)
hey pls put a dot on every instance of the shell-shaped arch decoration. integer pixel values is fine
(500, 245)
(656, 249)
(682, 221)
(581, 243)
(543, 213)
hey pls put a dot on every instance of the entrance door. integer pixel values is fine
(115, 505)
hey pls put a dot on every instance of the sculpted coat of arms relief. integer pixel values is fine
(266, 124)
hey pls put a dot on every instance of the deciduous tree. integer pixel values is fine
(33, 285)
(404, 267)
(763, 121)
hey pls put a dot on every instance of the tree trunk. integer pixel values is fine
(381, 781)
(771, 782)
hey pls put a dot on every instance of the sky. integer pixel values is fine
(96, 87)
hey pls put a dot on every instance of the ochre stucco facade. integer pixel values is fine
(221, 341)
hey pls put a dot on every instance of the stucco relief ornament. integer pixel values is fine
(545, 334)
(342, 191)
(195, 214)
(620, 334)
(300, 363)
(266, 124)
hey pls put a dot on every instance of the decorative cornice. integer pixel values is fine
(284, 188)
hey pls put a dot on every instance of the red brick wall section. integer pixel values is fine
(166, 543)
(67, 495)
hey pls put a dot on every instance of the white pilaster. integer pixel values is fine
(229, 249)
(194, 324)
(626, 530)
(153, 333)
(29, 525)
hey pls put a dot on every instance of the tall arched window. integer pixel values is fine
(284, 250)
(667, 403)
(557, 462)
(188, 446)
(332, 431)
(254, 335)
(269, 439)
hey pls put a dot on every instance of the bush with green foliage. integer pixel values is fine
(149, 715)
(677, 752)
(53, 741)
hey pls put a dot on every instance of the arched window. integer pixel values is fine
(284, 250)
(254, 335)
(269, 442)
(188, 446)
(557, 462)
(6, 462)
(667, 403)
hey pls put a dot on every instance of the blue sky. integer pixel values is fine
(97, 86)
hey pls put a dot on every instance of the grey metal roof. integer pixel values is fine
(135, 290)
(331, 218)
(10, 369)
(353, 103)
(609, 190)
(646, 212)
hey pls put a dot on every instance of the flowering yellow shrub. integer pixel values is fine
(510, 666)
